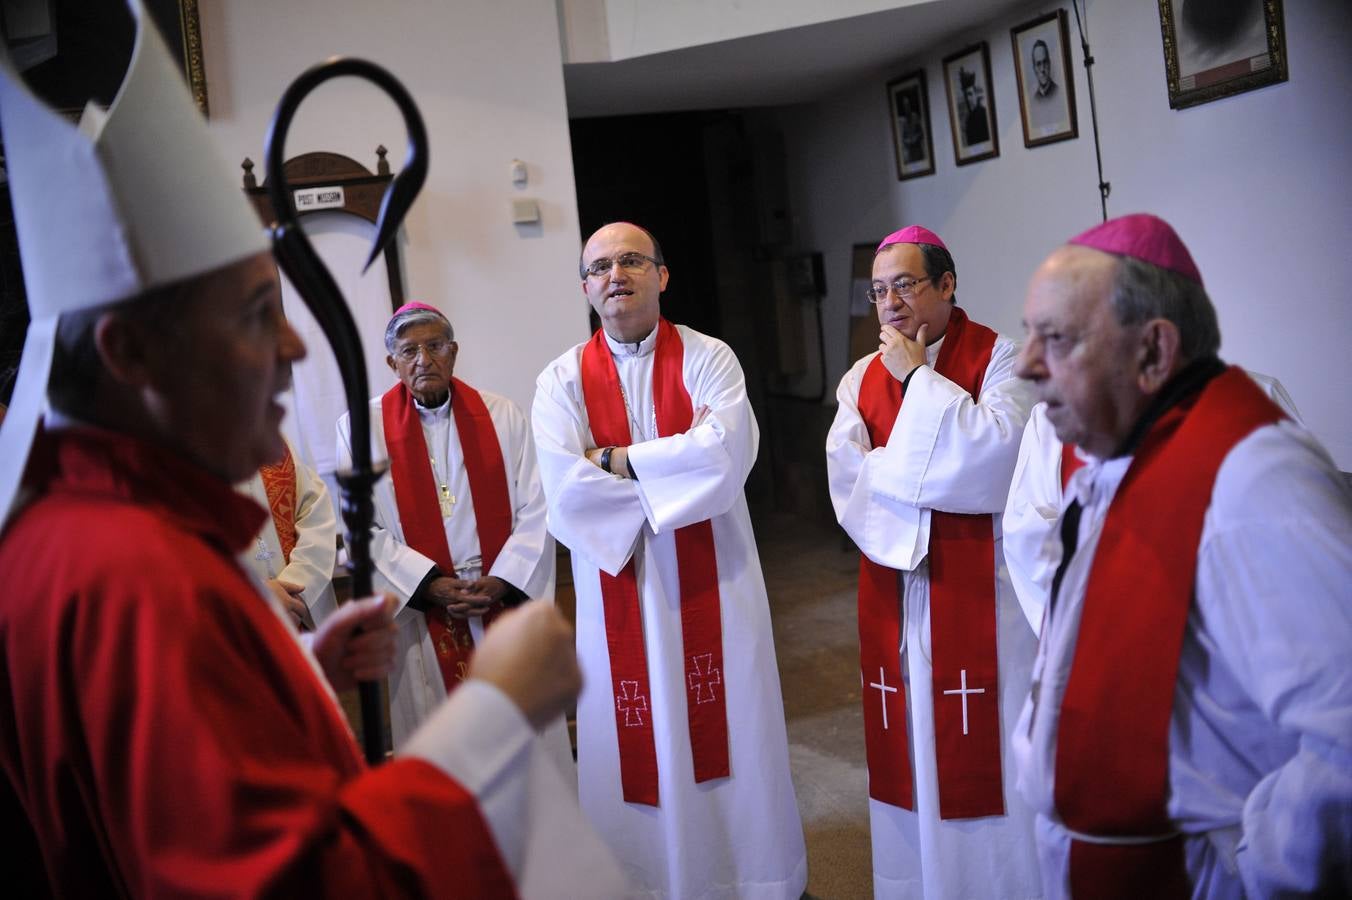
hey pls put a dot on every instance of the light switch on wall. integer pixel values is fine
(519, 174)
(525, 211)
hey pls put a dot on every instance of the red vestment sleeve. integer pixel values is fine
(171, 739)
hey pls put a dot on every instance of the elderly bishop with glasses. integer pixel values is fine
(460, 519)
(646, 438)
(919, 458)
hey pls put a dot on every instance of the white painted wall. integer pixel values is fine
(601, 30)
(488, 77)
(1256, 184)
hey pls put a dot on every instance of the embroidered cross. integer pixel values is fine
(703, 679)
(963, 693)
(631, 703)
(266, 556)
(883, 690)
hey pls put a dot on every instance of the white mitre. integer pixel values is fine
(133, 198)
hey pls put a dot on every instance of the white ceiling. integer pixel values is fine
(795, 65)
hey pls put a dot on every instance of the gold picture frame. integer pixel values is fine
(1215, 49)
(194, 67)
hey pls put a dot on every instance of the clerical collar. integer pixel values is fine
(1194, 376)
(932, 350)
(641, 348)
(434, 411)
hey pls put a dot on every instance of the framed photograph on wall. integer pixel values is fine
(1215, 48)
(1045, 78)
(908, 105)
(971, 104)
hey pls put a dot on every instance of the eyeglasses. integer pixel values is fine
(437, 348)
(903, 287)
(630, 262)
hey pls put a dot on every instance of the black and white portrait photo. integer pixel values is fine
(1045, 79)
(908, 101)
(971, 104)
(1215, 48)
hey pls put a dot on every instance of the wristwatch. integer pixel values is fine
(605, 458)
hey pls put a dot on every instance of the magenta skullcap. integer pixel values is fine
(415, 304)
(1145, 237)
(912, 234)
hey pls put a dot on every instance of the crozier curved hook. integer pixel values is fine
(314, 283)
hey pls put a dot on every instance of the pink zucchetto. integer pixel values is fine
(415, 304)
(912, 234)
(1145, 237)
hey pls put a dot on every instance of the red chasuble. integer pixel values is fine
(279, 483)
(164, 735)
(697, 565)
(415, 493)
(962, 621)
(1112, 746)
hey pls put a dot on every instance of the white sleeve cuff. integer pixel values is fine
(474, 737)
(480, 738)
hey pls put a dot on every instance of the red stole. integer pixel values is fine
(697, 565)
(962, 622)
(1070, 463)
(279, 483)
(415, 493)
(1112, 748)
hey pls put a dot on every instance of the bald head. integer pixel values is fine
(623, 277)
(1096, 370)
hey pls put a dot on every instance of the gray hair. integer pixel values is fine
(937, 262)
(402, 322)
(76, 364)
(1142, 292)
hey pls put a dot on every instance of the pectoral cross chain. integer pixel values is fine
(444, 495)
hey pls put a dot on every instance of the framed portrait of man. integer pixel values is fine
(908, 106)
(971, 104)
(1046, 81)
(1216, 48)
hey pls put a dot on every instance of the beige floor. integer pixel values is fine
(810, 576)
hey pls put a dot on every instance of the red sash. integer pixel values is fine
(279, 483)
(1070, 463)
(415, 493)
(962, 622)
(697, 567)
(1112, 748)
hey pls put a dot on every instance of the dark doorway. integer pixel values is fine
(711, 186)
(650, 170)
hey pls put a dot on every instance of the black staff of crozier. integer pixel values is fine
(321, 294)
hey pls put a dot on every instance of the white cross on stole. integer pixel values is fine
(265, 555)
(963, 693)
(703, 679)
(631, 703)
(883, 690)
